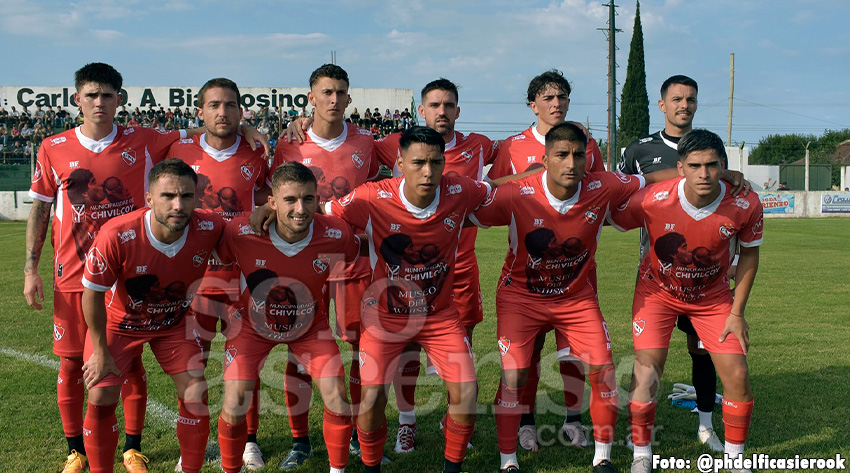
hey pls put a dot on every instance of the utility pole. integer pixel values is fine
(731, 94)
(610, 32)
(333, 57)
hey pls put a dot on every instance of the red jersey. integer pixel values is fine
(690, 248)
(282, 284)
(340, 165)
(552, 241)
(227, 180)
(91, 182)
(520, 152)
(412, 250)
(151, 284)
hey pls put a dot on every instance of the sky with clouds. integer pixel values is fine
(792, 57)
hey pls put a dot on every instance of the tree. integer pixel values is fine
(785, 149)
(634, 112)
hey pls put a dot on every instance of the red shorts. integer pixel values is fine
(581, 330)
(348, 302)
(208, 309)
(467, 295)
(316, 349)
(176, 350)
(654, 314)
(69, 324)
(441, 336)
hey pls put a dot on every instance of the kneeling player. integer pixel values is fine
(149, 261)
(282, 276)
(694, 224)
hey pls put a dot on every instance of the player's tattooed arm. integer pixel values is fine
(36, 233)
(101, 362)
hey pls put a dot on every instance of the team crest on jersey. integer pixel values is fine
(127, 236)
(129, 157)
(593, 185)
(663, 195)
(591, 215)
(467, 155)
(36, 176)
(726, 231)
(526, 190)
(95, 262)
(504, 345)
(346, 199)
(334, 233)
(247, 171)
(742, 202)
(206, 225)
(58, 332)
(451, 222)
(638, 326)
(454, 189)
(229, 355)
(382, 194)
(200, 258)
(321, 264)
(59, 140)
(128, 131)
(358, 158)
(245, 230)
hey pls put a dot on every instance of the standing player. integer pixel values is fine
(465, 155)
(149, 261)
(341, 153)
(658, 151)
(694, 225)
(236, 173)
(414, 223)
(548, 96)
(283, 276)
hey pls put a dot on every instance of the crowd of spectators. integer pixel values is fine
(21, 131)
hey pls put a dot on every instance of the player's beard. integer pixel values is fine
(163, 220)
(229, 132)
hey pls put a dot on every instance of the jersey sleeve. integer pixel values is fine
(496, 210)
(386, 150)
(353, 207)
(374, 164)
(103, 261)
(501, 163)
(751, 233)
(623, 186)
(224, 251)
(627, 161)
(352, 244)
(159, 142)
(264, 177)
(629, 214)
(44, 186)
(594, 156)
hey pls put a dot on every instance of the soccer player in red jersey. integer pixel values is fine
(694, 225)
(548, 97)
(465, 155)
(234, 178)
(341, 156)
(148, 263)
(282, 279)
(414, 224)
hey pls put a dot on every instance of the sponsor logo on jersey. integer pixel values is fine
(200, 258)
(530, 159)
(127, 236)
(591, 215)
(258, 305)
(466, 155)
(229, 355)
(95, 262)
(346, 199)
(245, 230)
(526, 190)
(538, 222)
(36, 176)
(662, 195)
(638, 326)
(74, 164)
(162, 131)
(454, 189)
(260, 263)
(58, 332)
(656, 160)
(392, 271)
(366, 132)
(79, 213)
(128, 131)
(357, 158)
(395, 227)
(742, 202)
(247, 171)
(450, 222)
(321, 264)
(186, 141)
(504, 345)
(382, 194)
(521, 136)
(593, 185)
(206, 225)
(196, 167)
(307, 161)
(141, 269)
(59, 140)
(334, 233)
(726, 231)
(645, 140)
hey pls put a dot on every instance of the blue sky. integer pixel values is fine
(792, 57)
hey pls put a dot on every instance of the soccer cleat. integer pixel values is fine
(642, 465)
(75, 463)
(510, 469)
(604, 467)
(575, 432)
(405, 438)
(295, 459)
(135, 462)
(528, 438)
(709, 437)
(252, 457)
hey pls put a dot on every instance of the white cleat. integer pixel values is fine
(252, 457)
(575, 432)
(642, 465)
(709, 438)
(528, 438)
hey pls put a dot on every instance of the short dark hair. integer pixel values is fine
(700, 139)
(421, 134)
(565, 132)
(551, 77)
(219, 83)
(440, 84)
(329, 70)
(292, 171)
(98, 73)
(171, 167)
(678, 79)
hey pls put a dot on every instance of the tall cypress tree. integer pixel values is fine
(634, 105)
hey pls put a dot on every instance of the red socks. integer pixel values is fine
(736, 419)
(193, 429)
(134, 396)
(299, 390)
(457, 439)
(354, 383)
(604, 402)
(508, 413)
(405, 380)
(372, 444)
(572, 373)
(337, 431)
(100, 432)
(70, 394)
(231, 439)
(642, 418)
(529, 391)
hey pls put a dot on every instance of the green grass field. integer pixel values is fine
(799, 314)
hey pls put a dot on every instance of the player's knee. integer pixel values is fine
(515, 379)
(104, 396)
(372, 397)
